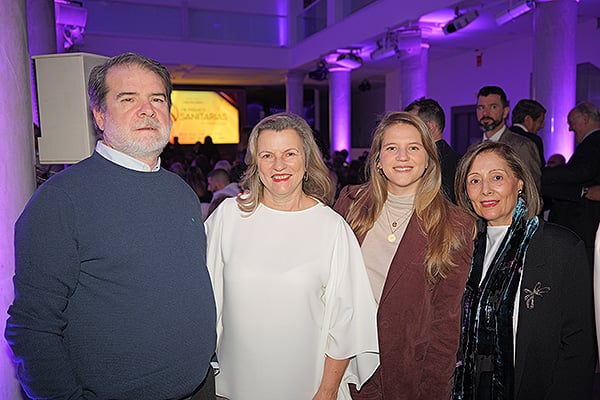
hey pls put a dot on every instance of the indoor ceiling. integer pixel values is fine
(483, 32)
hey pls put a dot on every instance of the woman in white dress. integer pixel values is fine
(296, 317)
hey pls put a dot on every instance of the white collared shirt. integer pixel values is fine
(123, 159)
(496, 136)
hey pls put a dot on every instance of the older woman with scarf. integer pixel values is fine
(527, 319)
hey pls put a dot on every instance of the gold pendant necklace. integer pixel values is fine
(397, 223)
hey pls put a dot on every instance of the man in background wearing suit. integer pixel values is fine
(527, 120)
(492, 111)
(432, 114)
(574, 186)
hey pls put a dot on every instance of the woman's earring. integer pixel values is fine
(520, 192)
(305, 176)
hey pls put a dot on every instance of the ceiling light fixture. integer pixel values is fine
(382, 52)
(520, 8)
(460, 21)
(396, 42)
(349, 60)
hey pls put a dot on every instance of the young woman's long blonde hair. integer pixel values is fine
(431, 206)
(316, 184)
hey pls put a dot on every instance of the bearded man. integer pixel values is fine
(492, 111)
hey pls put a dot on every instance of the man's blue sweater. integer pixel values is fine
(113, 299)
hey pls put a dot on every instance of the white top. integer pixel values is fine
(290, 288)
(495, 235)
(378, 251)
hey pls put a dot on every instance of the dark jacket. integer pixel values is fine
(555, 349)
(539, 143)
(564, 184)
(448, 162)
(527, 151)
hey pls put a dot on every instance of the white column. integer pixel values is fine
(339, 109)
(413, 75)
(17, 172)
(294, 92)
(554, 70)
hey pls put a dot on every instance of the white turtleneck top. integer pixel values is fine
(377, 250)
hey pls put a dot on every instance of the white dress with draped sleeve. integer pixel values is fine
(291, 287)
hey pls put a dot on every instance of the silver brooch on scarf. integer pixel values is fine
(538, 290)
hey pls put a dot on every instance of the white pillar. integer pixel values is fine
(17, 172)
(294, 92)
(339, 109)
(554, 70)
(413, 75)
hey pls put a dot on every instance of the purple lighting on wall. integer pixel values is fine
(282, 25)
(339, 106)
(554, 71)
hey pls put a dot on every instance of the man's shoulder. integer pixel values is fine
(512, 136)
(518, 130)
(522, 132)
(78, 173)
(593, 139)
(514, 139)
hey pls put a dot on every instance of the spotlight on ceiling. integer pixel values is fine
(395, 42)
(460, 21)
(320, 73)
(520, 8)
(383, 52)
(349, 60)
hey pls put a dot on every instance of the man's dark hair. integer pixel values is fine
(97, 87)
(488, 90)
(527, 107)
(428, 110)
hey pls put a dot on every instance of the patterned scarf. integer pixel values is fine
(485, 354)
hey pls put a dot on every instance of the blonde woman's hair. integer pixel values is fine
(529, 192)
(316, 183)
(431, 207)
